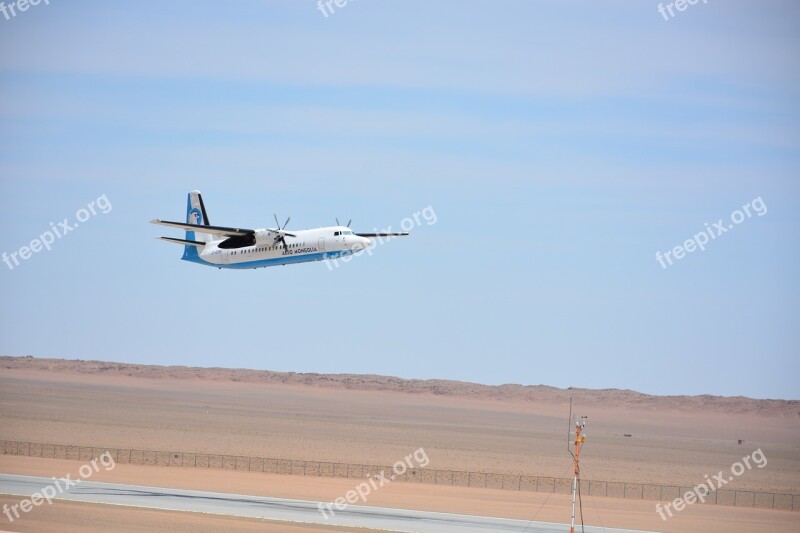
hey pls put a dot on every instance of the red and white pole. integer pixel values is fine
(579, 439)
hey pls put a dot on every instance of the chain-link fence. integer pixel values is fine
(610, 489)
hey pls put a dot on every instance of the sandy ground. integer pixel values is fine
(510, 504)
(517, 430)
(371, 427)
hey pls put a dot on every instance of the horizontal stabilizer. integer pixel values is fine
(183, 241)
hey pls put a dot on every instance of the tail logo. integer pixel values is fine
(194, 217)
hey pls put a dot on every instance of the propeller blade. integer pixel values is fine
(337, 221)
(348, 222)
(279, 230)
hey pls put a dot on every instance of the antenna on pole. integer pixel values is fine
(580, 438)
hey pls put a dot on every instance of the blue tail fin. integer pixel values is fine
(195, 215)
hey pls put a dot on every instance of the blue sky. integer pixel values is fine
(560, 145)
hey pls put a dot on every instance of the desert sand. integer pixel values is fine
(378, 420)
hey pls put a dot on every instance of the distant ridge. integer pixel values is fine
(438, 387)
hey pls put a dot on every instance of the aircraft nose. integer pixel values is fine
(360, 243)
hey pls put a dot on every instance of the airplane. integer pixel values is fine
(242, 248)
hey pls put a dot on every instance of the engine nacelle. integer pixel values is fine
(265, 237)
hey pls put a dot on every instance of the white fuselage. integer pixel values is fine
(307, 245)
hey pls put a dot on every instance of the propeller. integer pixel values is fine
(281, 237)
(348, 222)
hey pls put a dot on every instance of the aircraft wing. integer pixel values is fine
(383, 234)
(218, 230)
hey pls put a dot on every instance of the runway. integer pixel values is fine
(378, 518)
